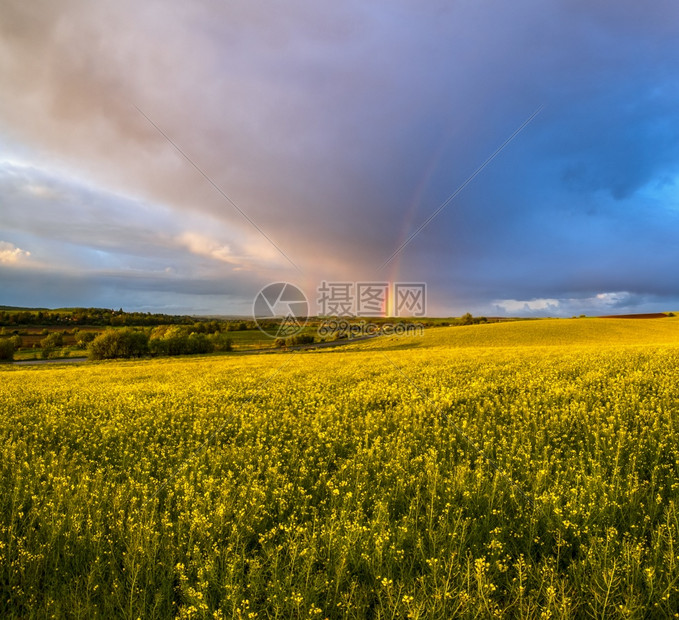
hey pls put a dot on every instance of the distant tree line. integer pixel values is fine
(102, 317)
(88, 316)
(465, 319)
(112, 318)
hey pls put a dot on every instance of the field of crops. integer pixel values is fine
(526, 469)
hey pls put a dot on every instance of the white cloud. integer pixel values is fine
(606, 300)
(204, 246)
(10, 254)
(532, 305)
(41, 191)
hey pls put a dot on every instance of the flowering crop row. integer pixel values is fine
(449, 476)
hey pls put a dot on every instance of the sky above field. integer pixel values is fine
(176, 157)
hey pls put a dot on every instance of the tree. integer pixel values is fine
(114, 343)
(169, 340)
(299, 339)
(84, 338)
(198, 343)
(6, 350)
(55, 339)
(175, 340)
(221, 342)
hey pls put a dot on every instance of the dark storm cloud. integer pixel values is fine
(340, 127)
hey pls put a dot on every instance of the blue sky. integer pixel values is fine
(338, 128)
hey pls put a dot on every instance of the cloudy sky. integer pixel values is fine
(176, 157)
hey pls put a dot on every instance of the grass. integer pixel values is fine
(521, 469)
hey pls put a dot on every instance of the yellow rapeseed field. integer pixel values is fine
(524, 470)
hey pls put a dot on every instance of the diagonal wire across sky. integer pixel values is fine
(469, 179)
(219, 189)
(403, 245)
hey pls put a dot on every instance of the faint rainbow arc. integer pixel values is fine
(409, 217)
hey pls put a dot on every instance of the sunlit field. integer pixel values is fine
(524, 469)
